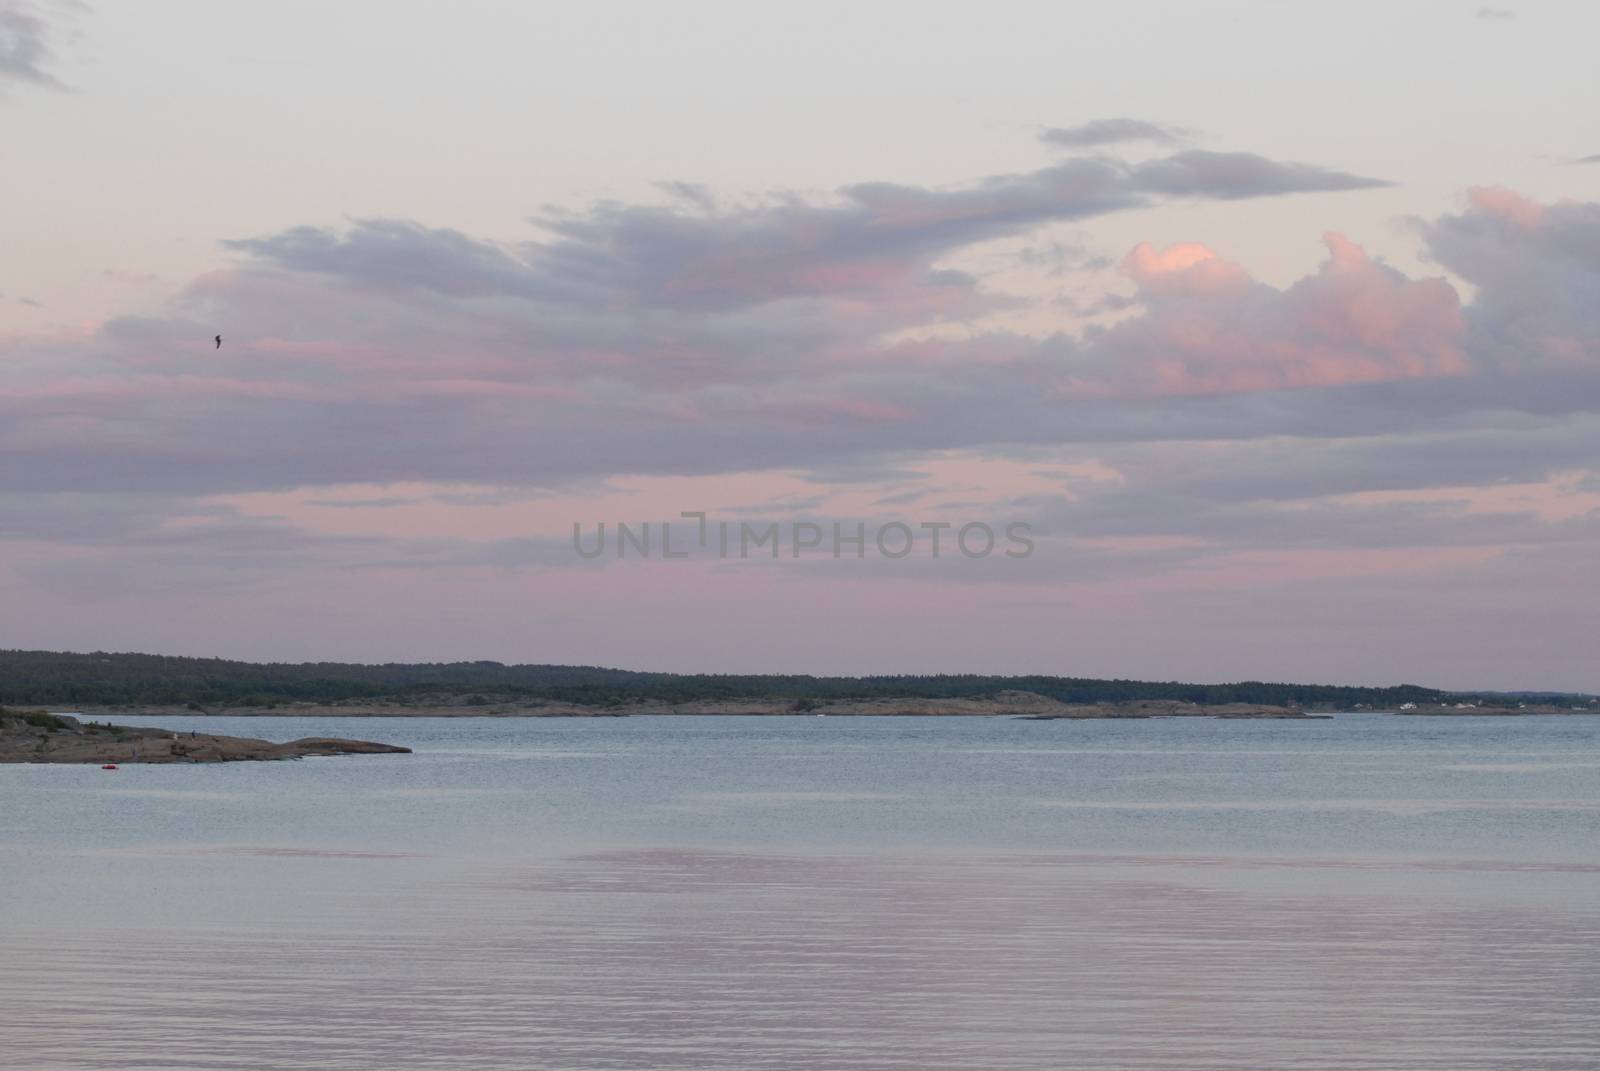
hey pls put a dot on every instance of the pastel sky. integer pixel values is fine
(1278, 323)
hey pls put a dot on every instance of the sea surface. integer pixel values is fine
(1367, 892)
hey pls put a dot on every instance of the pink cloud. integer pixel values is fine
(1209, 329)
(1187, 268)
(1508, 205)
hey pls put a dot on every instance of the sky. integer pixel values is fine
(1273, 330)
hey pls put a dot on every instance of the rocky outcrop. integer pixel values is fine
(58, 738)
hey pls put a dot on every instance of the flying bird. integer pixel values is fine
(219, 342)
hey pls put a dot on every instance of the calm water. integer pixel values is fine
(1367, 892)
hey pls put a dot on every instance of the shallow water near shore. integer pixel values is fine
(1366, 892)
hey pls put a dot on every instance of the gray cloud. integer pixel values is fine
(1235, 175)
(1537, 269)
(1495, 14)
(1098, 132)
(693, 193)
(388, 502)
(399, 255)
(27, 48)
(874, 240)
(1288, 493)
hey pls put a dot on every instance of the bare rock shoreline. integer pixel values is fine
(59, 738)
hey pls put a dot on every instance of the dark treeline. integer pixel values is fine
(62, 679)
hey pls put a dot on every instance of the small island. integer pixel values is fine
(34, 736)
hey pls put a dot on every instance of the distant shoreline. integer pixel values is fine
(1014, 704)
(116, 682)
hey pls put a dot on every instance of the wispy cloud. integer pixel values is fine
(1101, 132)
(876, 240)
(28, 34)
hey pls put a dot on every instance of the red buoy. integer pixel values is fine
(109, 766)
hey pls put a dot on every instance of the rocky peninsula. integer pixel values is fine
(33, 736)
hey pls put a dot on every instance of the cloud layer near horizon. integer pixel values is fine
(828, 345)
